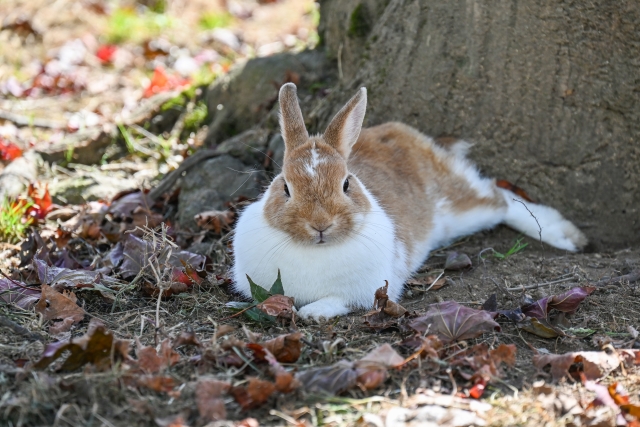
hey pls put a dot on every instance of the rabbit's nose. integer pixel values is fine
(321, 228)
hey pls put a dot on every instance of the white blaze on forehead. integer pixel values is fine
(315, 161)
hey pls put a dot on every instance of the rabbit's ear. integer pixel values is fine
(292, 125)
(344, 129)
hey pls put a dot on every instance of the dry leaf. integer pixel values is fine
(54, 305)
(254, 394)
(594, 364)
(95, 347)
(152, 361)
(278, 306)
(452, 321)
(217, 221)
(457, 261)
(209, 399)
(285, 348)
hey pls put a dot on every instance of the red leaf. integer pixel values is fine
(163, 82)
(8, 150)
(105, 53)
(41, 198)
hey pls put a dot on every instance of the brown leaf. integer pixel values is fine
(594, 364)
(428, 281)
(254, 394)
(285, 348)
(566, 302)
(217, 221)
(334, 379)
(54, 305)
(187, 338)
(452, 321)
(457, 261)
(209, 399)
(385, 311)
(95, 347)
(285, 381)
(278, 306)
(541, 328)
(159, 383)
(371, 370)
(152, 361)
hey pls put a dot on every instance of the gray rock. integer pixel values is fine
(208, 185)
(276, 150)
(246, 96)
(92, 186)
(249, 146)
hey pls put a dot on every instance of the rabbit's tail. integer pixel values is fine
(542, 222)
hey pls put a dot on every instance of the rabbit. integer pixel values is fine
(354, 207)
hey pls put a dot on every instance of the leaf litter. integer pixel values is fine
(446, 352)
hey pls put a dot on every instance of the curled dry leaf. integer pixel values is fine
(371, 370)
(428, 281)
(334, 379)
(209, 399)
(285, 348)
(566, 302)
(279, 306)
(95, 347)
(452, 321)
(217, 221)
(152, 361)
(457, 261)
(593, 364)
(56, 306)
(187, 338)
(159, 383)
(254, 394)
(385, 312)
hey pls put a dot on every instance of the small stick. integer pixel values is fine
(239, 313)
(20, 120)
(18, 329)
(540, 285)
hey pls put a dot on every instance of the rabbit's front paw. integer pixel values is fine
(323, 309)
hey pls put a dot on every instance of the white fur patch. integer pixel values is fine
(311, 167)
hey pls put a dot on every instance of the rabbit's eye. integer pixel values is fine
(345, 186)
(286, 190)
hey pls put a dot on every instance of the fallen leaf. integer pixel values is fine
(8, 150)
(95, 347)
(254, 394)
(56, 306)
(491, 304)
(106, 52)
(159, 383)
(285, 348)
(278, 306)
(514, 189)
(217, 221)
(41, 201)
(385, 312)
(18, 293)
(152, 361)
(566, 302)
(428, 282)
(457, 261)
(163, 82)
(334, 379)
(452, 321)
(541, 328)
(594, 364)
(187, 338)
(209, 399)
(371, 370)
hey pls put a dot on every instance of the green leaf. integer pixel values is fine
(238, 305)
(276, 288)
(259, 316)
(258, 293)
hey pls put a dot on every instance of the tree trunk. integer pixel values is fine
(548, 90)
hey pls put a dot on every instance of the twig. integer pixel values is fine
(340, 62)
(239, 313)
(18, 329)
(631, 277)
(21, 120)
(540, 285)
(536, 219)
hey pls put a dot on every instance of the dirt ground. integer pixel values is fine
(100, 398)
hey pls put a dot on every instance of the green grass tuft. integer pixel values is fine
(212, 20)
(13, 223)
(128, 25)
